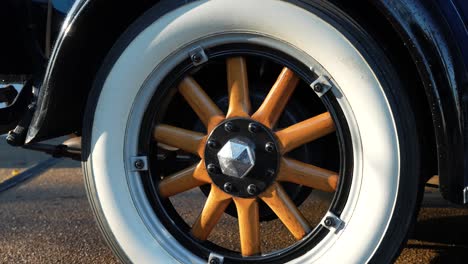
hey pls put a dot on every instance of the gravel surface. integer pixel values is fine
(48, 220)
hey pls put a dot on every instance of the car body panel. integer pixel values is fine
(89, 31)
(436, 52)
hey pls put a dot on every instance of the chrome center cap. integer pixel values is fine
(236, 158)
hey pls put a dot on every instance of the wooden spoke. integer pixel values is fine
(249, 225)
(186, 140)
(184, 180)
(275, 102)
(201, 103)
(305, 132)
(215, 205)
(308, 175)
(278, 200)
(238, 88)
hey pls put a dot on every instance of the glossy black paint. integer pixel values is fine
(436, 53)
(456, 13)
(89, 31)
(429, 29)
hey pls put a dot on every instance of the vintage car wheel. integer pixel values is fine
(194, 95)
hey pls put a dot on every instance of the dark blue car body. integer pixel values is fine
(456, 14)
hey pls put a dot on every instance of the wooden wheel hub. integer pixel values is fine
(242, 157)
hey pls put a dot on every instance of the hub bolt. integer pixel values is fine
(318, 87)
(212, 144)
(253, 128)
(252, 189)
(139, 164)
(212, 168)
(270, 173)
(229, 127)
(329, 221)
(228, 187)
(270, 147)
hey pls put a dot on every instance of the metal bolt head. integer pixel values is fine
(252, 189)
(229, 127)
(253, 128)
(228, 187)
(270, 147)
(213, 144)
(215, 261)
(318, 87)
(211, 168)
(139, 164)
(196, 58)
(269, 173)
(329, 221)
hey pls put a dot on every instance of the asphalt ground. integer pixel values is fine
(48, 220)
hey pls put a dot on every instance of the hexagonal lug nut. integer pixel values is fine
(213, 144)
(252, 189)
(211, 168)
(270, 173)
(253, 128)
(270, 147)
(229, 127)
(228, 187)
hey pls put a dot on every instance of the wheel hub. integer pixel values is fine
(241, 157)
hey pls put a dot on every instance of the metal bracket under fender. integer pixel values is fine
(10, 115)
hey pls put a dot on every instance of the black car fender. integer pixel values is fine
(88, 33)
(442, 71)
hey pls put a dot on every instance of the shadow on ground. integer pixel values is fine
(446, 236)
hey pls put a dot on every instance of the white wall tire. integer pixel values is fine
(384, 143)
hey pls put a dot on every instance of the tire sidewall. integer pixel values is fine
(380, 139)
